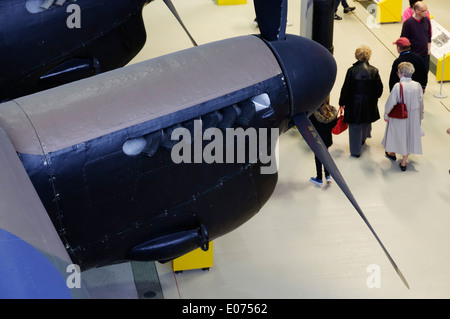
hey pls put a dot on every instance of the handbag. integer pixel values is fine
(399, 111)
(340, 126)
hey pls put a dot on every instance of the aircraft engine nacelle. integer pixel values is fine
(100, 152)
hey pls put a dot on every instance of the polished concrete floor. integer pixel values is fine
(309, 242)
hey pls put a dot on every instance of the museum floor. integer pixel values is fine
(309, 242)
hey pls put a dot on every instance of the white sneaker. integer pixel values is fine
(328, 179)
(316, 181)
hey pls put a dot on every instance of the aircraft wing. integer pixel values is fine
(33, 259)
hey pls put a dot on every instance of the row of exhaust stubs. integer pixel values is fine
(237, 114)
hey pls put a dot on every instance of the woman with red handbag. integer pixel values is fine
(359, 95)
(403, 135)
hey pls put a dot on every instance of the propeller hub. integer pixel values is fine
(310, 71)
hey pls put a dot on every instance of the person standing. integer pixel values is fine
(324, 119)
(403, 136)
(346, 6)
(417, 29)
(405, 55)
(410, 11)
(359, 96)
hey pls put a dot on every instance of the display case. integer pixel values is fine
(389, 11)
(440, 52)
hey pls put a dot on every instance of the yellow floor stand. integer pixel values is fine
(446, 73)
(230, 2)
(389, 11)
(197, 259)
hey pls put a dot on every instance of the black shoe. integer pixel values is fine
(336, 17)
(403, 168)
(349, 9)
(392, 157)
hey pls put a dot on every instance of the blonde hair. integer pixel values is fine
(363, 53)
(406, 68)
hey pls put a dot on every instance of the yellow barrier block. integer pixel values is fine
(446, 74)
(389, 11)
(197, 259)
(230, 2)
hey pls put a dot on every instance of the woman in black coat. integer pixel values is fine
(359, 95)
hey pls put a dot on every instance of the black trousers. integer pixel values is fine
(358, 133)
(319, 169)
(426, 61)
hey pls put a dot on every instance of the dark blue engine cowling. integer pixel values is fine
(109, 207)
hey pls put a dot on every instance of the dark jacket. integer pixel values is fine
(420, 74)
(360, 92)
(419, 33)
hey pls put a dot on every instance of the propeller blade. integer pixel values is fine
(312, 138)
(171, 7)
(271, 16)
